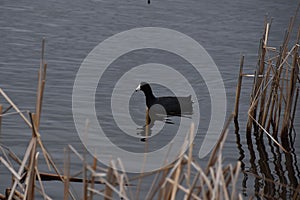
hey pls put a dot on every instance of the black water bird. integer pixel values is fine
(168, 105)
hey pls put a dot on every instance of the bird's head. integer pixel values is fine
(143, 86)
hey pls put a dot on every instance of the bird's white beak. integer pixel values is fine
(138, 88)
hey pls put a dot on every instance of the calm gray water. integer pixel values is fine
(72, 28)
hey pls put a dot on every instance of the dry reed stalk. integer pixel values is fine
(297, 193)
(6, 156)
(218, 146)
(163, 172)
(171, 173)
(16, 195)
(127, 182)
(41, 84)
(238, 90)
(279, 105)
(15, 107)
(249, 121)
(270, 136)
(66, 173)
(82, 160)
(176, 179)
(31, 174)
(265, 108)
(1, 112)
(190, 153)
(85, 183)
(192, 186)
(185, 190)
(291, 91)
(93, 178)
(161, 190)
(54, 177)
(108, 188)
(294, 110)
(40, 180)
(157, 183)
(116, 176)
(12, 171)
(222, 193)
(275, 86)
(270, 119)
(234, 177)
(84, 163)
(98, 193)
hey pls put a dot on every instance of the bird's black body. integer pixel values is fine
(169, 105)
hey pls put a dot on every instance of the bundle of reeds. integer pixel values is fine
(275, 89)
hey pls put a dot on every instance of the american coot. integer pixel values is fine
(169, 105)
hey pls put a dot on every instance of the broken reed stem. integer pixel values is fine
(41, 84)
(238, 90)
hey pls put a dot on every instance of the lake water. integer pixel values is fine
(72, 28)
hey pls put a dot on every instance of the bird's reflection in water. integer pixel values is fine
(157, 115)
